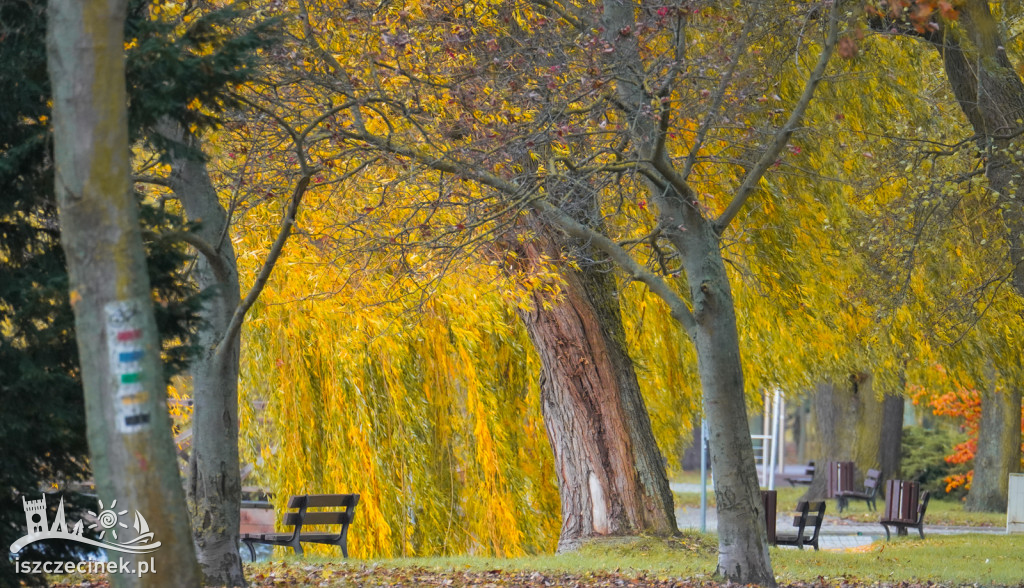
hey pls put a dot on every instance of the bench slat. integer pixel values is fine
(317, 518)
(331, 500)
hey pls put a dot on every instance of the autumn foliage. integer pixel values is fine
(963, 406)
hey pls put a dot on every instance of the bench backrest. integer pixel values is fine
(800, 520)
(839, 478)
(816, 519)
(902, 501)
(871, 481)
(305, 517)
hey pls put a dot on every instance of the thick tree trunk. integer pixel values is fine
(998, 455)
(129, 430)
(214, 488)
(611, 475)
(849, 424)
(890, 455)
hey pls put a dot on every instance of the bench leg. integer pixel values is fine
(344, 541)
(297, 546)
(920, 530)
(252, 552)
(886, 527)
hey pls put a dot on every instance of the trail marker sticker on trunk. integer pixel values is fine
(124, 346)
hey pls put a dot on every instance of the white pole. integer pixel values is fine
(769, 467)
(782, 432)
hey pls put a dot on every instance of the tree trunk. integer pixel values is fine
(890, 455)
(611, 475)
(849, 424)
(690, 460)
(214, 488)
(742, 537)
(129, 430)
(998, 454)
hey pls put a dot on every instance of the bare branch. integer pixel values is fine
(268, 264)
(753, 177)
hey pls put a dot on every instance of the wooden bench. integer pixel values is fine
(903, 508)
(871, 481)
(806, 478)
(838, 477)
(803, 522)
(304, 518)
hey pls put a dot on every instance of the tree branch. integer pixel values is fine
(753, 177)
(220, 269)
(677, 306)
(268, 264)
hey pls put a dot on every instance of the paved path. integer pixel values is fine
(835, 533)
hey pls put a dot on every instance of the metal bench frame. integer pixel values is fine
(304, 517)
(802, 522)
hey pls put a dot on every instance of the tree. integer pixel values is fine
(204, 53)
(991, 96)
(629, 479)
(611, 103)
(133, 456)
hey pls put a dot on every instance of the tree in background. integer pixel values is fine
(608, 100)
(971, 38)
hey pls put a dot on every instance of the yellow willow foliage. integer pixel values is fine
(434, 420)
(666, 368)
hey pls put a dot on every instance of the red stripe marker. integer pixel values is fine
(129, 335)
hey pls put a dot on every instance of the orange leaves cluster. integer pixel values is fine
(923, 15)
(964, 406)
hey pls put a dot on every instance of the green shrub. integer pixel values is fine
(924, 459)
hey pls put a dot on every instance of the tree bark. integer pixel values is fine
(611, 475)
(129, 430)
(998, 454)
(890, 456)
(214, 488)
(742, 537)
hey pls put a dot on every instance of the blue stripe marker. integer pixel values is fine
(130, 356)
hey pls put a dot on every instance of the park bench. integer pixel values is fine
(803, 522)
(305, 518)
(838, 478)
(806, 478)
(904, 509)
(871, 481)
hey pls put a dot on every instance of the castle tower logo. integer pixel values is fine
(108, 521)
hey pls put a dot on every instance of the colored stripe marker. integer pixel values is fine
(130, 356)
(129, 335)
(130, 378)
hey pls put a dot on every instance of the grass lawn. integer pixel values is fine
(974, 559)
(689, 560)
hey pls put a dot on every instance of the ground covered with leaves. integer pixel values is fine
(686, 561)
(340, 575)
